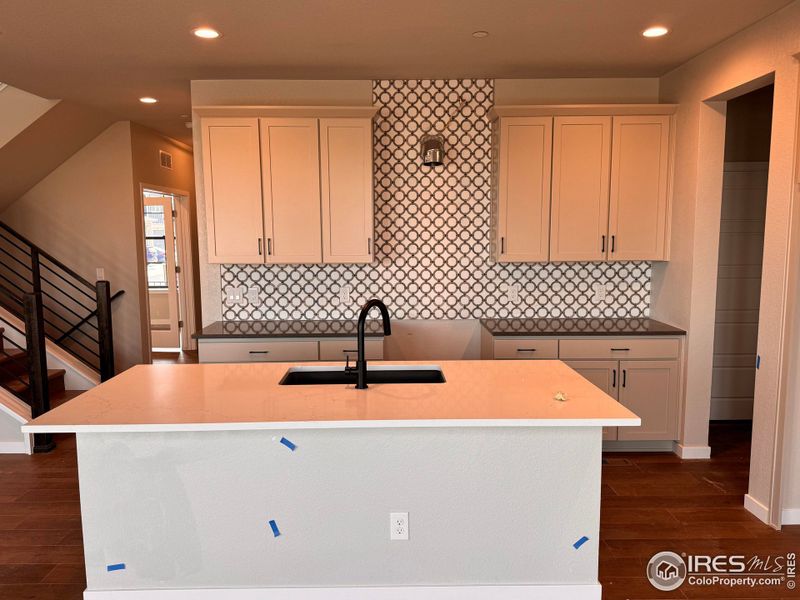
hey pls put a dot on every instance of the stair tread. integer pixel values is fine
(58, 398)
(22, 384)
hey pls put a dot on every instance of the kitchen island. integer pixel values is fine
(214, 481)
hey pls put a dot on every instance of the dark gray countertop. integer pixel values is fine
(567, 327)
(287, 329)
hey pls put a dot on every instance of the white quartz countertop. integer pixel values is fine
(206, 397)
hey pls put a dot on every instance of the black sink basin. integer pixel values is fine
(337, 375)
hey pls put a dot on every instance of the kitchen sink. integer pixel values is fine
(377, 374)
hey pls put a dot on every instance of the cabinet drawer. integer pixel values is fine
(340, 349)
(258, 351)
(618, 348)
(527, 348)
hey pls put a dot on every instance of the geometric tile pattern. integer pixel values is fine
(433, 233)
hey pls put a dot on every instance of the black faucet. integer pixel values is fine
(361, 363)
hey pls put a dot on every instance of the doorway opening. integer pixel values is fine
(165, 286)
(741, 247)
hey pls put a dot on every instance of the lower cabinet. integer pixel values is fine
(605, 375)
(213, 350)
(650, 389)
(642, 373)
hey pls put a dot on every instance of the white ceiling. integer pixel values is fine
(108, 53)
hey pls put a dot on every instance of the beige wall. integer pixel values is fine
(612, 90)
(18, 109)
(83, 214)
(683, 289)
(147, 170)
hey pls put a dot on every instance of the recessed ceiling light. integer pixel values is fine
(206, 33)
(147, 100)
(656, 31)
(480, 34)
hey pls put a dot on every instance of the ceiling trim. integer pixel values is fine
(286, 111)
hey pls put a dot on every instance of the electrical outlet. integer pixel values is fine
(344, 293)
(252, 295)
(511, 290)
(398, 526)
(599, 292)
(233, 294)
(100, 273)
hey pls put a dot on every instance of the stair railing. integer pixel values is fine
(72, 312)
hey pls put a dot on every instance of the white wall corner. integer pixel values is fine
(691, 452)
(756, 508)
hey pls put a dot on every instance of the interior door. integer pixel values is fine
(650, 389)
(639, 188)
(290, 179)
(524, 189)
(604, 374)
(581, 170)
(161, 271)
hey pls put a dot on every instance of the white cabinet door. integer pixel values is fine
(605, 375)
(232, 182)
(524, 189)
(346, 170)
(581, 169)
(290, 178)
(650, 389)
(638, 223)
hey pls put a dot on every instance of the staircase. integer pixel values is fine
(54, 308)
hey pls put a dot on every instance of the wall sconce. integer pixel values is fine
(432, 150)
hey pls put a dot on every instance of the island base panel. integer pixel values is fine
(493, 512)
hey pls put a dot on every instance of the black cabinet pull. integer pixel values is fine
(613, 378)
(603, 244)
(259, 246)
(502, 245)
(269, 246)
(346, 351)
(526, 349)
(613, 243)
(624, 377)
(259, 351)
(620, 349)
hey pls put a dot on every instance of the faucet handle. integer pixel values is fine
(347, 367)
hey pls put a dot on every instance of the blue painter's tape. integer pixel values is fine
(116, 567)
(288, 444)
(275, 531)
(580, 542)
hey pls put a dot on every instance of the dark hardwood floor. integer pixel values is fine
(651, 502)
(184, 357)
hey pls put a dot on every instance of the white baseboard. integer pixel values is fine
(691, 452)
(637, 446)
(790, 516)
(755, 507)
(15, 448)
(466, 592)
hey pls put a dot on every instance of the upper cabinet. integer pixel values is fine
(523, 188)
(579, 215)
(293, 186)
(232, 179)
(639, 188)
(608, 192)
(347, 217)
(290, 177)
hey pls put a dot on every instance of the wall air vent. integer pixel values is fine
(165, 158)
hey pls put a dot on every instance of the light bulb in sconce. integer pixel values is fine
(432, 150)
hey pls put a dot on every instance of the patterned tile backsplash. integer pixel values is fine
(433, 234)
